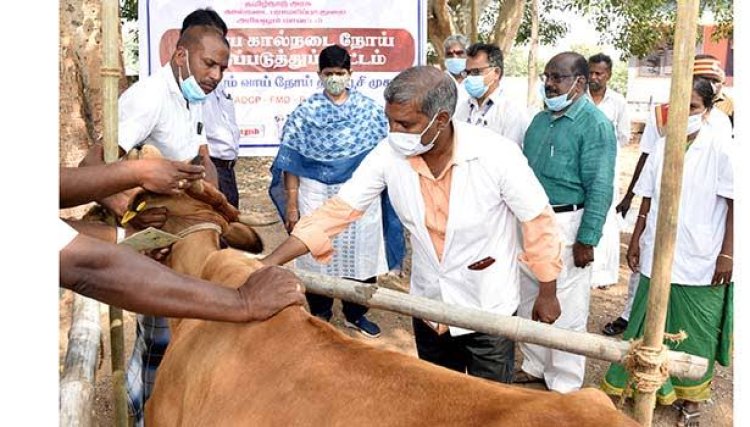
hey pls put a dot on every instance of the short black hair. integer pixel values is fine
(600, 57)
(205, 16)
(704, 88)
(334, 56)
(493, 52)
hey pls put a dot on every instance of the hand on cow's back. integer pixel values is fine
(269, 290)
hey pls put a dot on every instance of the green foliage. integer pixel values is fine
(637, 28)
(129, 10)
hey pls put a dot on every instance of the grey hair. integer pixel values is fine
(455, 38)
(433, 90)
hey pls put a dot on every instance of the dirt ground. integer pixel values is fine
(606, 305)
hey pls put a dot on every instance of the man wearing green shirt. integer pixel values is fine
(571, 148)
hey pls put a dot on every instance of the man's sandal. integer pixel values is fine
(688, 416)
(615, 327)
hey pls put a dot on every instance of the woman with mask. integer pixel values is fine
(323, 141)
(700, 301)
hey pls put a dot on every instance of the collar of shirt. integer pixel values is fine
(420, 166)
(573, 110)
(174, 88)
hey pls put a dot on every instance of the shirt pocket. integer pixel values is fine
(699, 241)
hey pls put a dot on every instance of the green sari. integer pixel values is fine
(705, 314)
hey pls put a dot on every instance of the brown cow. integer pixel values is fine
(294, 369)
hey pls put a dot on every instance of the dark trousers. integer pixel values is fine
(227, 183)
(477, 354)
(321, 305)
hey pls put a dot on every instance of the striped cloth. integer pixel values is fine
(152, 338)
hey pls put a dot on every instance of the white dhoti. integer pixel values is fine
(632, 288)
(562, 371)
(606, 266)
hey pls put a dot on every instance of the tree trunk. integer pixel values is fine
(533, 48)
(508, 23)
(439, 26)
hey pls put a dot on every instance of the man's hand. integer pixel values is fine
(723, 271)
(546, 307)
(292, 217)
(269, 290)
(634, 257)
(624, 206)
(167, 176)
(152, 217)
(583, 254)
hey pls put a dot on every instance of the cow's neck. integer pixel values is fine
(189, 254)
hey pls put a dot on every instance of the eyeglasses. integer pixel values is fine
(477, 71)
(454, 53)
(554, 77)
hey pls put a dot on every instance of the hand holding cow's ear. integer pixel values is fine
(269, 290)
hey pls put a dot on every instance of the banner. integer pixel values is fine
(275, 46)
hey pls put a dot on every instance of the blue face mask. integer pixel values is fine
(191, 90)
(475, 86)
(455, 65)
(556, 103)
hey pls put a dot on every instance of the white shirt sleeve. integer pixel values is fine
(726, 170)
(138, 115)
(647, 180)
(368, 180)
(649, 137)
(65, 234)
(520, 188)
(623, 125)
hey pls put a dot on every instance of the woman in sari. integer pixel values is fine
(700, 300)
(323, 141)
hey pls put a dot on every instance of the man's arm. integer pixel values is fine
(597, 169)
(627, 199)
(91, 183)
(211, 175)
(123, 278)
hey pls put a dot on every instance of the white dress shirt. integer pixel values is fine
(492, 187)
(706, 182)
(463, 96)
(153, 111)
(499, 113)
(220, 122)
(615, 107)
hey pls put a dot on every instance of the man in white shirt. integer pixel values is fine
(606, 266)
(488, 104)
(454, 48)
(222, 132)
(163, 109)
(462, 191)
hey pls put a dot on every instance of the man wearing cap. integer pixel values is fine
(709, 67)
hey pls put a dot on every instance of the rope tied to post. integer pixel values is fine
(647, 367)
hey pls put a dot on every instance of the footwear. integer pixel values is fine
(364, 326)
(324, 316)
(688, 415)
(615, 327)
(523, 377)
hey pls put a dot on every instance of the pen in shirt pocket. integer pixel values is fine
(482, 263)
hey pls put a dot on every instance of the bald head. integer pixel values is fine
(572, 61)
(430, 89)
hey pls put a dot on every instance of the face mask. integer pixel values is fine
(475, 86)
(191, 90)
(455, 65)
(556, 103)
(410, 144)
(694, 123)
(335, 85)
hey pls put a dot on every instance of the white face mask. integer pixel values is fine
(410, 144)
(694, 123)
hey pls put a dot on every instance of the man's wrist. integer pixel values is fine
(548, 289)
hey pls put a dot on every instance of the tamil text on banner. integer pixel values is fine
(275, 46)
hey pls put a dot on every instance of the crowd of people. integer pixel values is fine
(506, 213)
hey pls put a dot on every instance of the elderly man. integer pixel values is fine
(606, 266)
(571, 148)
(489, 104)
(461, 191)
(454, 48)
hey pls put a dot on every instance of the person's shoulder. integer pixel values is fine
(483, 142)
(148, 89)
